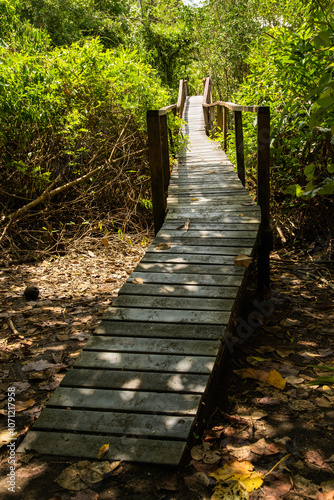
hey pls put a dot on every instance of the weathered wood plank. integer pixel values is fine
(151, 362)
(188, 258)
(136, 401)
(182, 303)
(171, 225)
(212, 251)
(193, 291)
(170, 233)
(152, 346)
(118, 423)
(207, 243)
(87, 446)
(187, 279)
(168, 315)
(185, 268)
(160, 330)
(120, 379)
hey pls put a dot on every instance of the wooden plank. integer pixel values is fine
(187, 279)
(194, 291)
(170, 233)
(118, 423)
(168, 315)
(120, 379)
(160, 330)
(206, 243)
(153, 267)
(151, 362)
(136, 401)
(182, 303)
(210, 226)
(188, 258)
(148, 345)
(87, 446)
(179, 249)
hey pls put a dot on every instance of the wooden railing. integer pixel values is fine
(157, 131)
(263, 163)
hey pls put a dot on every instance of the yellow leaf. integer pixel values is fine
(233, 491)
(252, 482)
(233, 470)
(243, 260)
(276, 380)
(193, 199)
(103, 450)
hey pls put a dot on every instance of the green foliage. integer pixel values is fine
(165, 34)
(289, 70)
(68, 21)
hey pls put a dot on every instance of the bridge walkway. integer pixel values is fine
(141, 382)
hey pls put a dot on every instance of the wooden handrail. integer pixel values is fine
(158, 147)
(263, 164)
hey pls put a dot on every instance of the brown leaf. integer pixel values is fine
(243, 260)
(23, 405)
(261, 447)
(139, 281)
(163, 246)
(325, 496)
(105, 241)
(260, 375)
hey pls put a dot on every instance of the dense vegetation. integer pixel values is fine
(76, 80)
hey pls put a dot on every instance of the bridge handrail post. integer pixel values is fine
(265, 244)
(156, 153)
(239, 145)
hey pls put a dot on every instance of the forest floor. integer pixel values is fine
(267, 412)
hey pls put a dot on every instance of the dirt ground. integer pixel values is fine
(271, 435)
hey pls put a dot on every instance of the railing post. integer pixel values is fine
(157, 168)
(224, 128)
(263, 197)
(165, 153)
(220, 118)
(239, 145)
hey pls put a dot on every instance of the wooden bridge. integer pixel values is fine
(144, 381)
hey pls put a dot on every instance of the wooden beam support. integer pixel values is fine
(263, 197)
(156, 163)
(239, 145)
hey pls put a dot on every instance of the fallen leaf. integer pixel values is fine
(243, 260)
(139, 281)
(233, 491)
(261, 447)
(276, 380)
(103, 450)
(290, 322)
(203, 452)
(284, 353)
(302, 405)
(23, 405)
(325, 496)
(163, 246)
(169, 483)
(6, 437)
(290, 379)
(85, 495)
(105, 241)
(260, 375)
(267, 400)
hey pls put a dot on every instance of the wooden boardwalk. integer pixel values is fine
(143, 376)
